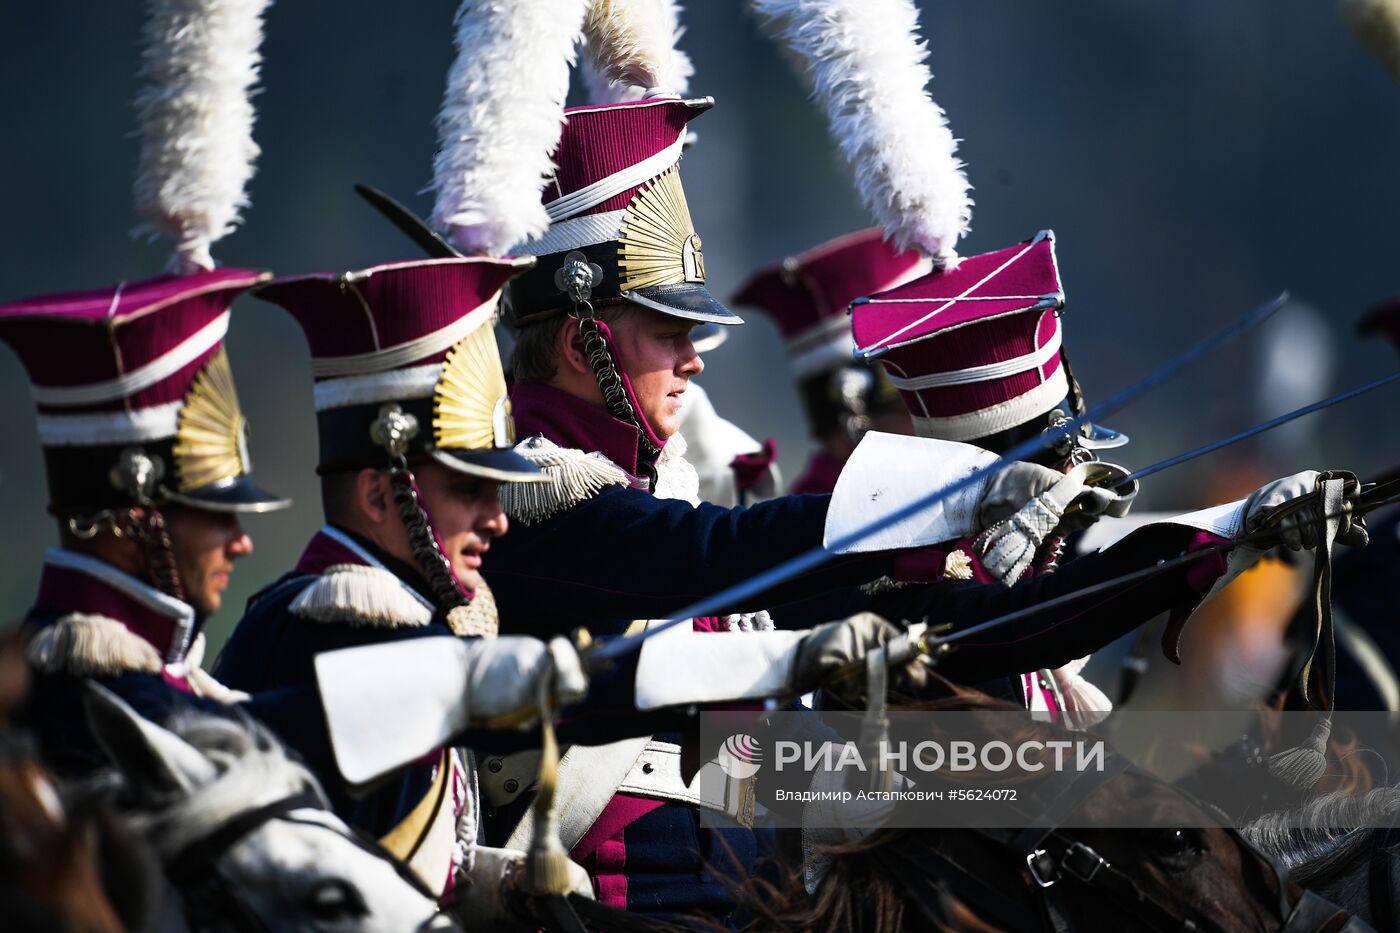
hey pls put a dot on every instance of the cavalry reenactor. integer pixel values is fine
(145, 445)
(977, 354)
(806, 296)
(602, 354)
(416, 437)
(146, 453)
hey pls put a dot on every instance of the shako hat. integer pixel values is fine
(807, 295)
(617, 208)
(135, 397)
(976, 351)
(408, 348)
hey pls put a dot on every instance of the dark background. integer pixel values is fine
(1194, 159)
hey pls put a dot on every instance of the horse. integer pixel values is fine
(1344, 847)
(1199, 878)
(64, 864)
(244, 832)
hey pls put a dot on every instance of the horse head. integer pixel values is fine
(243, 830)
(63, 864)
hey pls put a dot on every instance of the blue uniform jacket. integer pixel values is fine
(271, 654)
(126, 620)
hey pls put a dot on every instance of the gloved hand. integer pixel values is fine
(488, 889)
(1022, 506)
(1298, 531)
(505, 675)
(835, 646)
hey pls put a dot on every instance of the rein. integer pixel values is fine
(1056, 861)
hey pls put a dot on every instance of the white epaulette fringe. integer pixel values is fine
(574, 476)
(85, 645)
(361, 595)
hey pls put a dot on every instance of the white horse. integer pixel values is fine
(244, 833)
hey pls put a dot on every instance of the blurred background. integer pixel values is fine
(1194, 159)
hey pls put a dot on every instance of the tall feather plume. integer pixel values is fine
(1376, 25)
(633, 46)
(866, 63)
(500, 120)
(199, 62)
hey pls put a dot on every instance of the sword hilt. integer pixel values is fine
(1103, 475)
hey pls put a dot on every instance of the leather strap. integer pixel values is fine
(1318, 685)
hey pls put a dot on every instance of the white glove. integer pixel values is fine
(838, 645)
(1008, 546)
(483, 898)
(1297, 532)
(1300, 531)
(505, 675)
(391, 703)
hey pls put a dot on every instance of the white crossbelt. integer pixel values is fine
(589, 777)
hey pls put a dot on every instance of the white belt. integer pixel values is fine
(655, 773)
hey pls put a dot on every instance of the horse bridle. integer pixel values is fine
(207, 894)
(1054, 857)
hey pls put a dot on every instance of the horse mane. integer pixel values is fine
(253, 769)
(1326, 834)
(859, 892)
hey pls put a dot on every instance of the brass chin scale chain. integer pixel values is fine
(392, 430)
(577, 278)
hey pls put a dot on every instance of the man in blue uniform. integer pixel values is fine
(415, 437)
(602, 358)
(148, 472)
(416, 440)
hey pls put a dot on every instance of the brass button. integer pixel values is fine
(512, 786)
(648, 767)
(494, 765)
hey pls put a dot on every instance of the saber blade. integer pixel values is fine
(813, 558)
(1264, 536)
(1261, 428)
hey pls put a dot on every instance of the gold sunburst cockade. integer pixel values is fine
(471, 409)
(211, 442)
(659, 245)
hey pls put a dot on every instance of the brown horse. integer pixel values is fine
(58, 862)
(1206, 878)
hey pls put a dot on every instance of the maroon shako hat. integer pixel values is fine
(618, 212)
(976, 351)
(407, 370)
(416, 337)
(135, 397)
(807, 296)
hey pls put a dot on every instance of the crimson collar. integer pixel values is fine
(331, 546)
(75, 583)
(570, 421)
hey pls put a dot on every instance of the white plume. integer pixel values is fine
(501, 118)
(1376, 25)
(866, 62)
(633, 48)
(199, 62)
